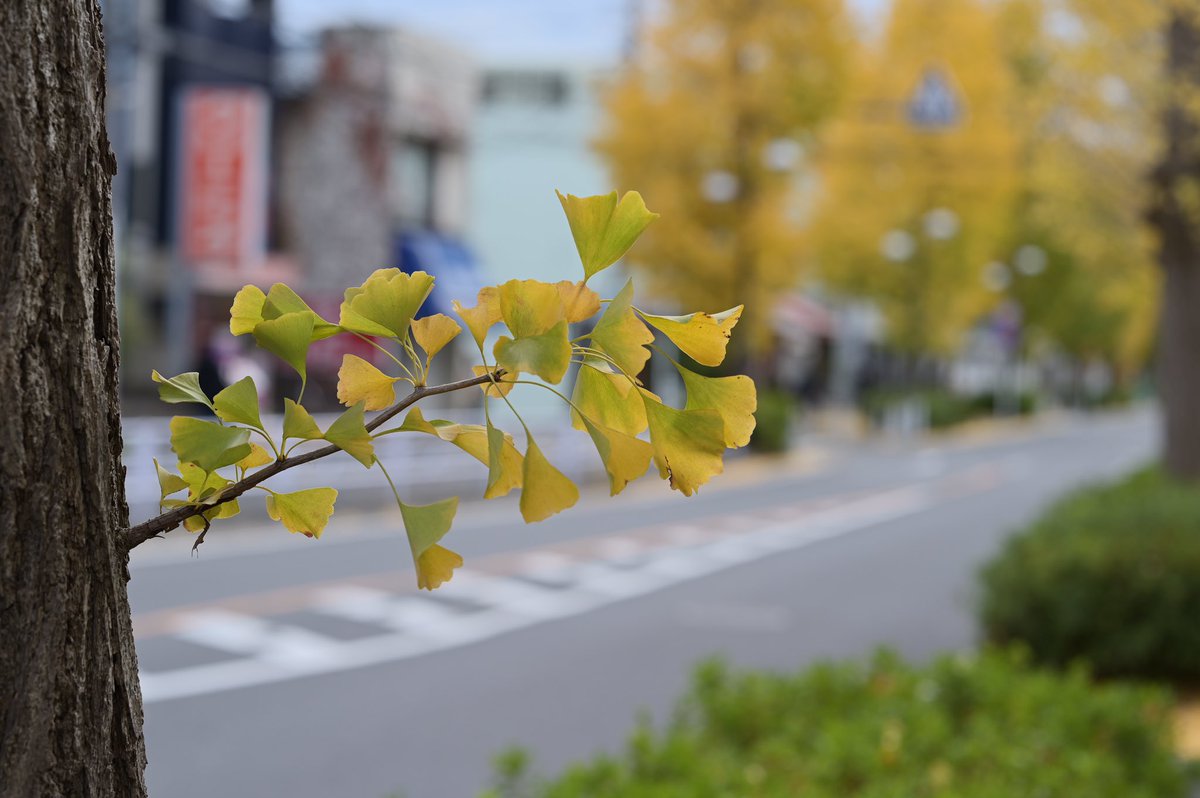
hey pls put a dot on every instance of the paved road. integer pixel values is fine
(278, 666)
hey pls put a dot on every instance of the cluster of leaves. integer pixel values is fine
(985, 726)
(1110, 575)
(608, 401)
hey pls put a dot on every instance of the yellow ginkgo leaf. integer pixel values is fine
(472, 439)
(546, 490)
(607, 399)
(547, 355)
(247, 310)
(500, 386)
(625, 457)
(288, 338)
(701, 336)
(436, 566)
(688, 444)
(433, 333)
(605, 228)
(360, 381)
(621, 335)
(258, 457)
(225, 510)
(530, 307)
(281, 300)
(483, 316)
(169, 482)
(426, 525)
(305, 511)
(578, 301)
(733, 397)
(385, 303)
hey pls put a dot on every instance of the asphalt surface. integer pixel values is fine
(274, 665)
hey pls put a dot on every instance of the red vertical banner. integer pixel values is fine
(223, 180)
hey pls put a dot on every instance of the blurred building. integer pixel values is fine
(532, 135)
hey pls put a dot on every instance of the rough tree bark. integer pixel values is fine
(1176, 216)
(70, 703)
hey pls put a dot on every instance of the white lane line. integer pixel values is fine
(425, 626)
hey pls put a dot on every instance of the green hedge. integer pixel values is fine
(773, 422)
(963, 727)
(1110, 575)
(947, 408)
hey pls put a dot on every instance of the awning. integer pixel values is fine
(451, 263)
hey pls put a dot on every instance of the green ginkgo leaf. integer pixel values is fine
(204, 487)
(547, 355)
(281, 300)
(608, 399)
(701, 336)
(733, 397)
(287, 337)
(168, 482)
(238, 404)
(208, 444)
(298, 423)
(349, 433)
(604, 228)
(305, 511)
(546, 490)
(688, 444)
(182, 388)
(621, 335)
(385, 303)
(625, 457)
(426, 525)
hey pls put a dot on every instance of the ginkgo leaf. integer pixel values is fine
(349, 433)
(426, 525)
(608, 399)
(701, 336)
(305, 511)
(224, 510)
(181, 388)
(621, 335)
(433, 333)
(495, 461)
(578, 301)
(208, 444)
(733, 397)
(688, 444)
(500, 386)
(168, 482)
(547, 355)
(603, 228)
(298, 423)
(281, 300)
(287, 337)
(546, 490)
(257, 458)
(473, 440)
(238, 404)
(483, 316)
(204, 487)
(360, 381)
(530, 307)
(625, 457)
(385, 303)
(247, 310)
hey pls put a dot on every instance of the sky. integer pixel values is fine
(582, 31)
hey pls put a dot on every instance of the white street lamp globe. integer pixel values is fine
(897, 245)
(719, 186)
(941, 224)
(1030, 260)
(996, 276)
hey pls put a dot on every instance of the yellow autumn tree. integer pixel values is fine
(1087, 142)
(712, 119)
(920, 173)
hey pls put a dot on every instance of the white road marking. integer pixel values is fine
(274, 652)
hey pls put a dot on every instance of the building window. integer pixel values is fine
(525, 88)
(413, 165)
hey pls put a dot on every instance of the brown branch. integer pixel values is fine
(167, 521)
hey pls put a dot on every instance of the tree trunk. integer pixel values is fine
(70, 703)
(1178, 224)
